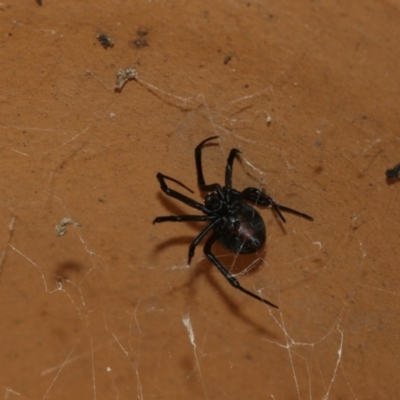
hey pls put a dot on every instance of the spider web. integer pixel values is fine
(96, 302)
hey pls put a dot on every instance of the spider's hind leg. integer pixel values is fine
(188, 218)
(229, 277)
(199, 238)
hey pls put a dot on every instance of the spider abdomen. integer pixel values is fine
(242, 232)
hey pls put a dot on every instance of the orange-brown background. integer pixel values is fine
(311, 97)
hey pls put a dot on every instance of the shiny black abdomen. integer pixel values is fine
(243, 232)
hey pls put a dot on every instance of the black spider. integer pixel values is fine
(234, 223)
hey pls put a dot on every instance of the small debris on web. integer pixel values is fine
(393, 173)
(138, 43)
(125, 75)
(105, 40)
(142, 32)
(39, 2)
(61, 227)
(227, 59)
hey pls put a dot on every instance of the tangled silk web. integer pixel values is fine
(134, 331)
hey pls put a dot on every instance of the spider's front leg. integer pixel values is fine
(259, 198)
(199, 168)
(228, 276)
(179, 196)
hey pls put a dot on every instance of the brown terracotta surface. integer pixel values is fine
(308, 90)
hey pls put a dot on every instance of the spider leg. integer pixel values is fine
(183, 218)
(199, 168)
(295, 212)
(199, 238)
(228, 172)
(178, 182)
(229, 277)
(261, 199)
(179, 196)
